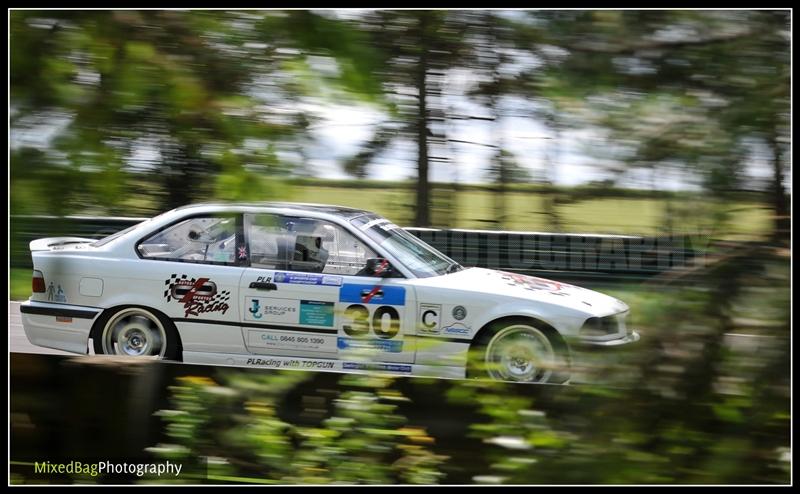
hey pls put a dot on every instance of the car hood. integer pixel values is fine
(529, 288)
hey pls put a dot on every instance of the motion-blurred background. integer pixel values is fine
(654, 123)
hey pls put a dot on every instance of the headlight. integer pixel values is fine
(604, 326)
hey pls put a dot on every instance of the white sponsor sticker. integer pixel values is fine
(287, 340)
(275, 310)
(457, 329)
(290, 363)
(371, 223)
(430, 318)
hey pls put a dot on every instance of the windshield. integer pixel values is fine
(422, 259)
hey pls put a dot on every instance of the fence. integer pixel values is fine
(558, 255)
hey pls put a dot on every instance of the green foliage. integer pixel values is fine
(357, 61)
(186, 87)
(366, 441)
(235, 430)
(692, 405)
(697, 405)
(19, 280)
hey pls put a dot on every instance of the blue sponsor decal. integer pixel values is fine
(386, 367)
(255, 309)
(380, 345)
(373, 294)
(308, 279)
(316, 313)
(456, 328)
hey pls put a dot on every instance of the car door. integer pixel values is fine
(195, 263)
(305, 294)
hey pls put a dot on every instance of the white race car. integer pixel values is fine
(302, 286)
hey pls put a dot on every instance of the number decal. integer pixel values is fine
(394, 322)
(359, 315)
(358, 321)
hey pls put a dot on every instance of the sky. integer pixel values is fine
(342, 128)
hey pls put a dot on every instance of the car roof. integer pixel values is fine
(343, 211)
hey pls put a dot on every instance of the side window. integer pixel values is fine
(271, 244)
(304, 244)
(210, 239)
(347, 255)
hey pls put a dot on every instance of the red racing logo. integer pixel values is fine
(197, 295)
(531, 282)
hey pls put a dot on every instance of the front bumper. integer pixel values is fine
(631, 337)
(58, 326)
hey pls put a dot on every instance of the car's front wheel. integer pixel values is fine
(520, 351)
(136, 332)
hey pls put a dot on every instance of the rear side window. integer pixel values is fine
(115, 236)
(205, 239)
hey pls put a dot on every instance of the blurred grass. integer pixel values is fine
(629, 215)
(20, 283)
(579, 209)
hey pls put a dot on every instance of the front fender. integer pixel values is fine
(564, 320)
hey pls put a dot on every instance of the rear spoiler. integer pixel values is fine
(56, 243)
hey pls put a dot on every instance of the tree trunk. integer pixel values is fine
(552, 158)
(499, 164)
(422, 214)
(500, 191)
(780, 203)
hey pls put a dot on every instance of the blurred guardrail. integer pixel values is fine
(559, 255)
(24, 228)
(562, 255)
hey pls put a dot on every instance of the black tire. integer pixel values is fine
(157, 329)
(541, 355)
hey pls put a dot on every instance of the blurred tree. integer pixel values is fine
(417, 48)
(689, 89)
(490, 39)
(180, 106)
(696, 405)
(167, 94)
(510, 53)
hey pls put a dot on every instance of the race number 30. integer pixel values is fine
(385, 321)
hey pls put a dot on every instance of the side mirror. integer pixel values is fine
(378, 266)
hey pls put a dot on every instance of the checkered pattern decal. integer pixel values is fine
(171, 282)
(196, 302)
(221, 298)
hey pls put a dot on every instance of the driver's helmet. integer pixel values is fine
(309, 247)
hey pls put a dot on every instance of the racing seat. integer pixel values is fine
(309, 255)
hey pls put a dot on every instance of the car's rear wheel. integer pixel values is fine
(519, 351)
(136, 332)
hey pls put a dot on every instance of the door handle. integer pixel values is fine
(365, 293)
(258, 285)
